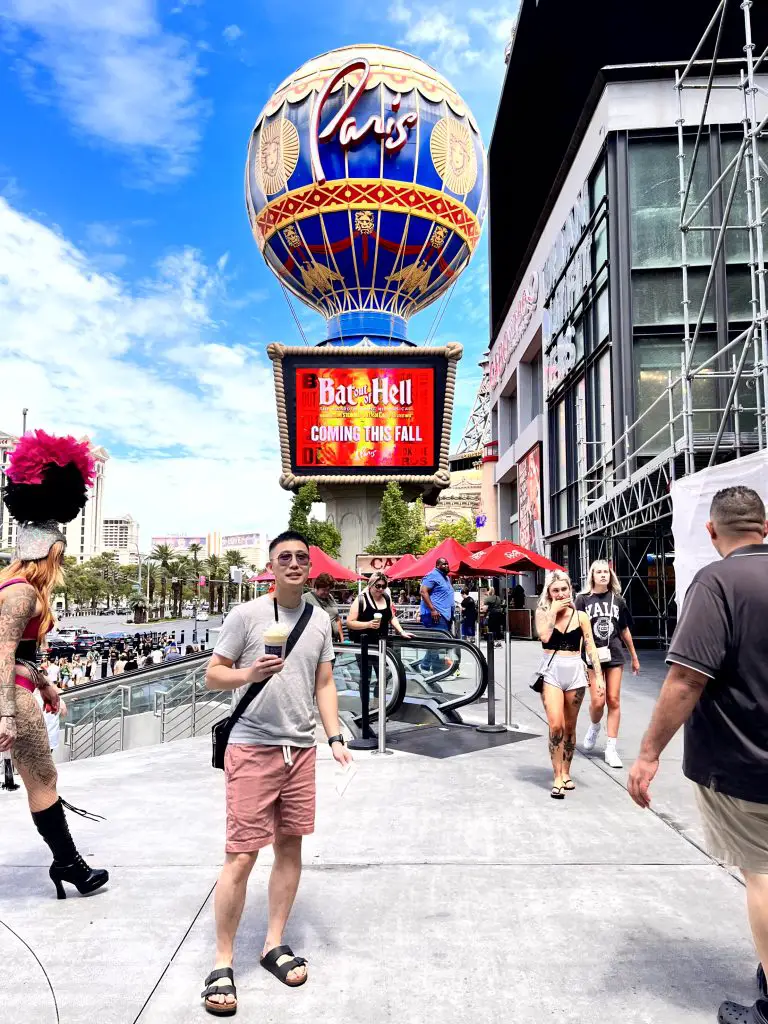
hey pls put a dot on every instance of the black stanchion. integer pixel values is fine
(104, 663)
(207, 637)
(365, 741)
(491, 725)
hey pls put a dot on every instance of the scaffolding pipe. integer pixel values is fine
(729, 403)
(758, 233)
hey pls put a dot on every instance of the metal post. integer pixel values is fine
(382, 749)
(365, 741)
(193, 708)
(507, 663)
(491, 726)
(104, 663)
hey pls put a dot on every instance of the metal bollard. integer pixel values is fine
(365, 741)
(491, 725)
(181, 641)
(104, 663)
(508, 683)
(207, 637)
(382, 748)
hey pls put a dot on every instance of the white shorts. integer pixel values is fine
(565, 671)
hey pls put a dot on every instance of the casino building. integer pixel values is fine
(626, 184)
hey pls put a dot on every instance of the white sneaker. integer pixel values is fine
(612, 758)
(591, 738)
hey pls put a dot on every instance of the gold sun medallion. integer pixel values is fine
(453, 154)
(278, 155)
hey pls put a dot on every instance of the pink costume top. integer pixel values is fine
(27, 648)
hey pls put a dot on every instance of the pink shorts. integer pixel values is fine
(270, 792)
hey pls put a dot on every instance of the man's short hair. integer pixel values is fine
(738, 510)
(287, 535)
(324, 580)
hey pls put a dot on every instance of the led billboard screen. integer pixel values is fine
(365, 417)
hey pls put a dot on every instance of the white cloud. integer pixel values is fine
(119, 78)
(455, 39)
(143, 370)
(105, 236)
(232, 33)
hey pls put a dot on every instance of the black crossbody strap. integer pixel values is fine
(255, 688)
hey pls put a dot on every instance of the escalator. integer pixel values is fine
(170, 701)
(428, 679)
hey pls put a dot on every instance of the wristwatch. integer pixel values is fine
(336, 739)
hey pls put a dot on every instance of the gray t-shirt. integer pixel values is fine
(283, 714)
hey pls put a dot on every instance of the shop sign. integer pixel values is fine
(569, 245)
(559, 360)
(366, 564)
(512, 333)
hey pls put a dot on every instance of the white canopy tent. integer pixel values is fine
(691, 499)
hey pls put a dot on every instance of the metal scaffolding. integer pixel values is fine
(477, 431)
(627, 488)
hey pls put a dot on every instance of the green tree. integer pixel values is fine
(401, 526)
(163, 556)
(321, 533)
(462, 531)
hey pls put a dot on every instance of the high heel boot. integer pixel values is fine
(68, 865)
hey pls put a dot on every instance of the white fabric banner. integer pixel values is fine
(691, 500)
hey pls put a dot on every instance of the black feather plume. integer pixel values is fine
(60, 496)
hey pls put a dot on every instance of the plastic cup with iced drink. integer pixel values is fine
(275, 639)
(377, 619)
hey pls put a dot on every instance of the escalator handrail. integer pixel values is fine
(92, 687)
(138, 677)
(464, 645)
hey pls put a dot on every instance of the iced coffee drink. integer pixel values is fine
(275, 639)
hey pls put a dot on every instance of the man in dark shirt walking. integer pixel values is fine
(717, 685)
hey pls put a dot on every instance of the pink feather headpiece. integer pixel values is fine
(37, 450)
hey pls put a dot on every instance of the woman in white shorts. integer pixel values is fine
(563, 632)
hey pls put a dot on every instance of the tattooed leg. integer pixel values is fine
(553, 704)
(573, 702)
(32, 754)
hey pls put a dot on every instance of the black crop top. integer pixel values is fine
(571, 640)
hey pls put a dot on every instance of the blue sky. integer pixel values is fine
(134, 304)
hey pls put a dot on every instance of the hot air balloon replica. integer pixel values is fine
(366, 192)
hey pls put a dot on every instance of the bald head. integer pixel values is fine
(737, 518)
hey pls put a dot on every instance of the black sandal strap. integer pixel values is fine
(219, 990)
(269, 961)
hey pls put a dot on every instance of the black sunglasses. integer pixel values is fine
(286, 557)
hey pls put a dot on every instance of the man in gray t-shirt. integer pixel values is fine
(270, 759)
(320, 595)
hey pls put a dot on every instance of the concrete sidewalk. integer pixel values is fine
(438, 888)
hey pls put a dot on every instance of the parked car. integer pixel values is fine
(202, 616)
(86, 641)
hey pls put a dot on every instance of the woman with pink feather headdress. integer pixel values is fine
(48, 479)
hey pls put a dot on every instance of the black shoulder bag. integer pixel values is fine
(220, 732)
(538, 679)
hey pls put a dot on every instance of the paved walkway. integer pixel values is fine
(436, 889)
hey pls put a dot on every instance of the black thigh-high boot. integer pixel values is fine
(68, 865)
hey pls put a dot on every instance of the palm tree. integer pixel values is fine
(215, 570)
(152, 573)
(234, 560)
(163, 555)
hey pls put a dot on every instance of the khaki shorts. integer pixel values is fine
(270, 792)
(736, 830)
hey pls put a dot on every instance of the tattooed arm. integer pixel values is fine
(17, 608)
(591, 649)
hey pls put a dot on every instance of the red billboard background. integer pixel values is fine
(365, 417)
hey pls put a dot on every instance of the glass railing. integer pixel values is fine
(170, 701)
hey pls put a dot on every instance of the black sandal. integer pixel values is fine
(569, 785)
(558, 793)
(281, 971)
(220, 1009)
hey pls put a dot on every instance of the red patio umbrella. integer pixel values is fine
(324, 563)
(478, 545)
(449, 548)
(505, 557)
(401, 564)
(264, 577)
